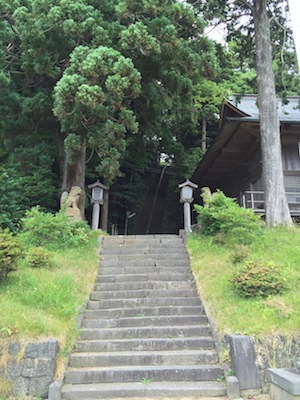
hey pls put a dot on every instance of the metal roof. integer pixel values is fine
(247, 104)
(238, 140)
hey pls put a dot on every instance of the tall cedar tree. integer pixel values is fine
(118, 75)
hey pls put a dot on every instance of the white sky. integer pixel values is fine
(294, 5)
(295, 13)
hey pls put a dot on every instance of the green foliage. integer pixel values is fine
(91, 100)
(38, 257)
(223, 216)
(44, 302)
(214, 265)
(10, 253)
(52, 231)
(257, 279)
(11, 206)
(240, 254)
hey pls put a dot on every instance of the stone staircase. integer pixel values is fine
(144, 333)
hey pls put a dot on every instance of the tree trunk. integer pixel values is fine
(74, 175)
(104, 210)
(276, 206)
(204, 134)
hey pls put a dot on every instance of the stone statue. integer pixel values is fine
(70, 203)
(206, 195)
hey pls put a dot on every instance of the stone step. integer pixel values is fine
(144, 277)
(142, 294)
(139, 239)
(128, 286)
(145, 321)
(144, 263)
(140, 269)
(143, 251)
(141, 373)
(147, 390)
(146, 344)
(183, 357)
(143, 302)
(143, 311)
(145, 332)
(181, 257)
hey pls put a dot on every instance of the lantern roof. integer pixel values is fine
(97, 184)
(188, 183)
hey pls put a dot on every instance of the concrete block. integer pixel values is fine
(233, 387)
(54, 392)
(277, 393)
(286, 379)
(243, 358)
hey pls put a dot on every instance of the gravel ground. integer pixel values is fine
(248, 397)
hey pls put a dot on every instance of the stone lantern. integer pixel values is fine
(97, 200)
(186, 197)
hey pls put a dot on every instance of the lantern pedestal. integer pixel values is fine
(96, 216)
(187, 217)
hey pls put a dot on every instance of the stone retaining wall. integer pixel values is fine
(275, 351)
(28, 370)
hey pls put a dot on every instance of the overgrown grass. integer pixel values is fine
(213, 265)
(37, 303)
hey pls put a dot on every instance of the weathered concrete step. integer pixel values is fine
(145, 250)
(144, 302)
(166, 285)
(137, 390)
(139, 312)
(129, 258)
(130, 358)
(145, 332)
(149, 262)
(144, 277)
(145, 321)
(140, 294)
(144, 244)
(140, 373)
(140, 269)
(137, 239)
(146, 344)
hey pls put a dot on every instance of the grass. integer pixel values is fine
(38, 303)
(213, 266)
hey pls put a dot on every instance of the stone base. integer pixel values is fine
(285, 384)
(277, 393)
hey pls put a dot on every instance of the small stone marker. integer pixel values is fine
(243, 357)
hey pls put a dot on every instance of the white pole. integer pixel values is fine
(294, 6)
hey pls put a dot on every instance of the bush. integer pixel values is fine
(52, 231)
(257, 279)
(38, 257)
(10, 253)
(240, 254)
(221, 216)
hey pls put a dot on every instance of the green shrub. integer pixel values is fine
(257, 279)
(240, 254)
(10, 253)
(52, 231)
(221, 216)
(38, 257)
